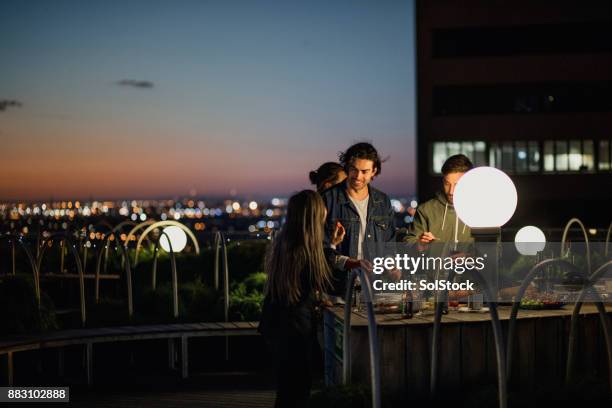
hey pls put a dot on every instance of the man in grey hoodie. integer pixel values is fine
(436, 220)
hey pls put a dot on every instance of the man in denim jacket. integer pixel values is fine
(364, 212)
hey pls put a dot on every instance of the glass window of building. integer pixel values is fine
(507, 157)
(588, 159)
(549, 156)
(521, 157)
(534, 157)
(604, 155)
(575, 155)
(480, 158)
(561, 162)
(439, 155)
(441, 151)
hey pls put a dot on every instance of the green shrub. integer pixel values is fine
(246, 298)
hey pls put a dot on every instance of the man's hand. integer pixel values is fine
(426, 237)
(338, 234)
(359, 263)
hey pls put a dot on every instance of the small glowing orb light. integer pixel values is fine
(529, 240)
(177, 236)
(485, 197)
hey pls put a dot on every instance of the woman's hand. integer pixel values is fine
(338, 234)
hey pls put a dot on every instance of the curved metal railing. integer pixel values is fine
(372, 336)
(65, 237)
(12, 239)
(126, 265)
(603, 316)
(586, 239)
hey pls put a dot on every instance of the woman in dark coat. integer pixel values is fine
(297, 272)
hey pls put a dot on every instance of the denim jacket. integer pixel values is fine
(380, 227)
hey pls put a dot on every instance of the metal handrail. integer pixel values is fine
(608, 239)
(126, 265)
(603, 316)
(586, 239)
(173, 268)
(519, 296)
(15, 238)
(498, 338)
(72, 247)
(372, 336)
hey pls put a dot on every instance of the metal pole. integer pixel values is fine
(217, 244)
(225, 289)
(372, 336)
(13, 254)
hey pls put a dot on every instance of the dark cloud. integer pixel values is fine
(134, 83)
(9, 103)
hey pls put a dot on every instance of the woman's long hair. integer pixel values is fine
(297, 249)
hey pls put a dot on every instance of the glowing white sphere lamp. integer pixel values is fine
(177, 237)
(485, 197)
(529, 240)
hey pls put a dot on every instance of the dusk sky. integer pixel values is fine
(137, 99)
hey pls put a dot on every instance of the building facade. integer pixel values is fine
(525, 87)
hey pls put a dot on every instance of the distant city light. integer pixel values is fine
(269, 212)
(414, 204)
(275, 202)
(396, 205)
(253, 205)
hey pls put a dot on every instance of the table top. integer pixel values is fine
(359, 318)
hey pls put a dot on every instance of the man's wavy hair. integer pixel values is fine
(360, 151)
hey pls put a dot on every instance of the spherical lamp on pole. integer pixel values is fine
(529, 240)
(177, 237)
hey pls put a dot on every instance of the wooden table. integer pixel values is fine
(467, 351)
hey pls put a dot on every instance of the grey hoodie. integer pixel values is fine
(438, 216)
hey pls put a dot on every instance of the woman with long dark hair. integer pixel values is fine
(297, 272)
(327, 175)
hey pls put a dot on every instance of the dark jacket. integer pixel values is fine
(282, 321)
(380, 227)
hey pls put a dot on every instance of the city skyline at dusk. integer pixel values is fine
(150, 99)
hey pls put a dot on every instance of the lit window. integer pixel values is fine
(604, 155)
(561, 162)
(507, 156)
(534, 157)
(549, 156)
(587, 155)
(575, 155)
(521, 157)
(479, 153)
(453, 148)
(439, 156)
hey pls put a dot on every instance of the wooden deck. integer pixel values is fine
(178, 336)
(179, 399)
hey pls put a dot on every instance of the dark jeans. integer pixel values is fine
(293, 360)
